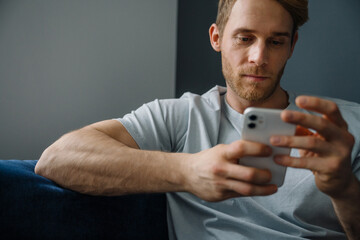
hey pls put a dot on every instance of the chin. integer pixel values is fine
(253, 94)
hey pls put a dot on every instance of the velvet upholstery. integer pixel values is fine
(33, 207)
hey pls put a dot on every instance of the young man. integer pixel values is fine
(196, 138)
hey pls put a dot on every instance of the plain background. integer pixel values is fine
(68, 63)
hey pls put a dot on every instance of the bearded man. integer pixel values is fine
(189, 147)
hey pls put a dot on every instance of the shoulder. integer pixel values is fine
(189, 105)
(209, 100)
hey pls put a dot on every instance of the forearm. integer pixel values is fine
(347, 208)
(90, 162)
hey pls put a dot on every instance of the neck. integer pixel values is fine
(279, 100)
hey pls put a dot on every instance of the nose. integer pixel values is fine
(258, 54)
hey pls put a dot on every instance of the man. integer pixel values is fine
(196, 138)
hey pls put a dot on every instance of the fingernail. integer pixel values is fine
(275, 140)
(302, 100)
(288, 115)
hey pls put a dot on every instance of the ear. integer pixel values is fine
(296, 37)
(214, 37)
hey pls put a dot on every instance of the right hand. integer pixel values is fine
(215, 175)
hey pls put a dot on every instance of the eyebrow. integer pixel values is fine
(245, 30)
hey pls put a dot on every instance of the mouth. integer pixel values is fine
(256, 78)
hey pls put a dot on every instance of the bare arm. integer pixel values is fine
(103, 159)
(347, 208)
(328, 155)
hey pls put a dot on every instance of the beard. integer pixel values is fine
(251, 91)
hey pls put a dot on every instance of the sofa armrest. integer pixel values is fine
(33, 207)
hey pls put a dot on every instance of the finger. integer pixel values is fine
(247, 174)
(311, 163)
(310, 143)
(242, 148)
(322, 106)
(324, 127)
(247, 189)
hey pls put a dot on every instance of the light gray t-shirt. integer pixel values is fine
(197, 122)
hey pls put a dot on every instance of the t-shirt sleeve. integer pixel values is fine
(159, 125)
(352, 117)
(356, 167)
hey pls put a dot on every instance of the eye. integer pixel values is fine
(243, 40)
(277, 43)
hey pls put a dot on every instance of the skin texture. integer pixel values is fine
(103, 159)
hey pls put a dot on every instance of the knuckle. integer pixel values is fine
(218, 186)
(302, 117)
(334, 166)
(351, 139)
(248, 190)
(346, 145)
(298, 163)
(218, 169)
(322, 124)
(344, 152)
(219, 146)
(240, 148)
(221, 196)
(302, 163)
(249, 175)
(288, 140)
(219, 193)
(316, 101)
(333, 108)
(312, 142)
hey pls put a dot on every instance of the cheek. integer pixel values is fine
(235, 58)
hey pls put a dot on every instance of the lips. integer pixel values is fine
(255, 77)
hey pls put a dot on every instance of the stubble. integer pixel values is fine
(254, 91)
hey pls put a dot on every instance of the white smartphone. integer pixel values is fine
(258, 126)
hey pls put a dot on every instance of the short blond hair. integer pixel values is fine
(298, 10)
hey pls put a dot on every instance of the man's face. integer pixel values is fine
(255, 47)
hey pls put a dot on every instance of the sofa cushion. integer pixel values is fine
(33, 207)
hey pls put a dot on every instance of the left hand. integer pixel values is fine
(328, 152)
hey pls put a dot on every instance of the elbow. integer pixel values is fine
(43, 166)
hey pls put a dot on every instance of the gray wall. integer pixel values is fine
(326, 60)
(65, 64)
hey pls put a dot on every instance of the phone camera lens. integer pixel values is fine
(251, 125)
(252, 117)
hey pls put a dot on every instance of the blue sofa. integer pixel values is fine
(33, 207)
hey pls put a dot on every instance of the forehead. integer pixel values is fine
(265, 16)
